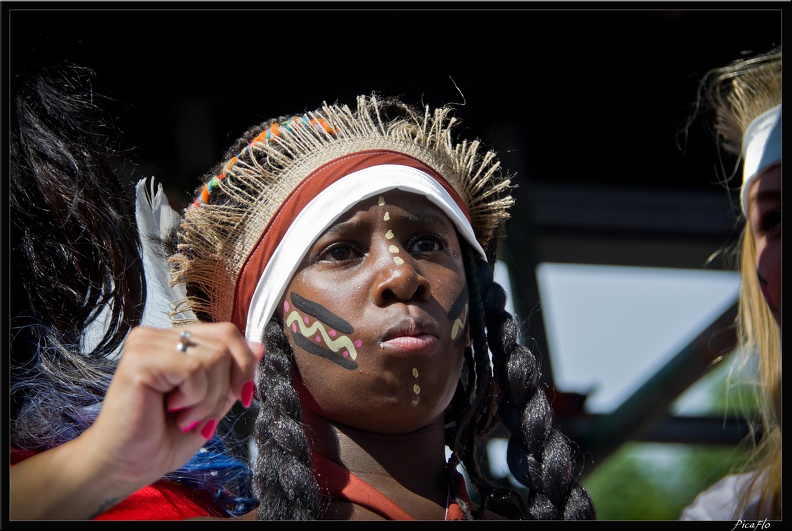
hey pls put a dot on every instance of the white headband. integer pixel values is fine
(761, 149)
(323, 210)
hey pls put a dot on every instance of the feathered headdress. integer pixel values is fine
(255, 217)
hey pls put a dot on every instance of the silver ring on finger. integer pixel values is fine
(184, 341)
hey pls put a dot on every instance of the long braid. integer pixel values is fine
(538, 454)
(484, 411)
(283, 480)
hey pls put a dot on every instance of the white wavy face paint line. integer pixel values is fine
(335, 345)
(324, 209)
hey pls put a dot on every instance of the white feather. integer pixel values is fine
(155, 219)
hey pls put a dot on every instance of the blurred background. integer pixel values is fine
(613, 258)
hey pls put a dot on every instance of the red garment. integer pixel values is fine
(343, 484)
(164, 500)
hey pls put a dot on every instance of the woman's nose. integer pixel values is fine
(397, 278)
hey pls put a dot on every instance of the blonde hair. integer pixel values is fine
(739, 92)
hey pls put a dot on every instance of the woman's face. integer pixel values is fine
(377, 315)
(764, 215)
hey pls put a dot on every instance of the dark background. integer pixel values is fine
(593, 94)
(586, 103)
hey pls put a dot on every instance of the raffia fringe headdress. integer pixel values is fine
(230, 233)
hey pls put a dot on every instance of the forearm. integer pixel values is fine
(70, 482)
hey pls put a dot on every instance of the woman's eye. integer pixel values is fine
(425, 244)
(770, 220)
(337, 253)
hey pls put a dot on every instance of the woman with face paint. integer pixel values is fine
(358, 246)
(746, 98)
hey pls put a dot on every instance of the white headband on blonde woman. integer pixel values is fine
(323, 210)
(761, 149)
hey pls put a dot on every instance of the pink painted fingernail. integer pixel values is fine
(190, 427)
(208, 430)
(247, 393)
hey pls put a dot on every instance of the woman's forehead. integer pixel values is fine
(411, 204)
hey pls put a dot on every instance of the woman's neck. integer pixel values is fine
(407, 468)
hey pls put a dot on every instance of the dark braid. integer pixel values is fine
(478, 418)
(538, 454)
(283, 480)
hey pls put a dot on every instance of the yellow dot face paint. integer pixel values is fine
(380, 201)
(386, 217)
(389, 234)
(398, 261)
(416, 388)
(393, 249)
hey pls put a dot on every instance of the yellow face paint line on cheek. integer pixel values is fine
(459, 324)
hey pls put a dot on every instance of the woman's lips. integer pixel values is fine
(418, 343)
(410, 335)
